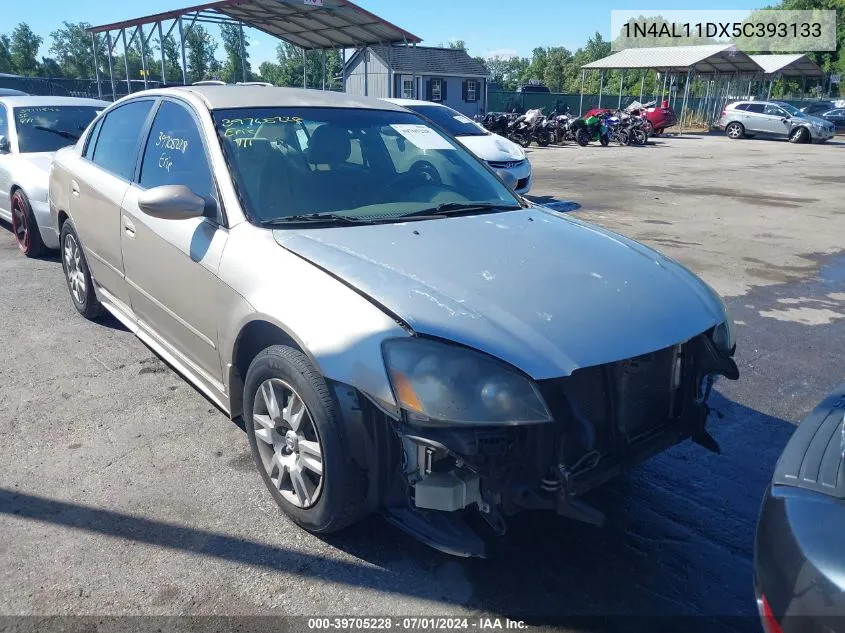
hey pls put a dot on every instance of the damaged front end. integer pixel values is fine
(601, 421)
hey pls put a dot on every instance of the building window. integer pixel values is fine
(436, 90)
(408, 88)
(471, 91)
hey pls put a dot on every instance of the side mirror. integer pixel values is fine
(171, 202)
(506, 177)
(5, 147)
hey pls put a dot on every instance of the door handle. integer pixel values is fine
(128, 227)
(74, 188)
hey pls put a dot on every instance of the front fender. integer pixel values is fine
(338, 328)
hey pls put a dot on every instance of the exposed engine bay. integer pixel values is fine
(607, 419)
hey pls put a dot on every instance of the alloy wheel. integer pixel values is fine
(73, 269)
(20, 225)
(734, 131)
(288, 443)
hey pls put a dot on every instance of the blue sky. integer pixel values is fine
(488, 27)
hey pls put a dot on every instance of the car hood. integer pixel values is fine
(492, 147)
(546, 293)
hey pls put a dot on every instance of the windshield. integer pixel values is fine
(48, 128)
(791, 109)
(368, 165)
(453, 122)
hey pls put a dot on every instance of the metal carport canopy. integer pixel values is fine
(797, 65)
(323, 24)
(704, 59)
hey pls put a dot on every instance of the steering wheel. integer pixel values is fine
(423, 171)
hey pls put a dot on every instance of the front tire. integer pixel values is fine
(638, 137)
(582, 137)
(25, 227)
(77, 274)
(297, 438)
(801, 135)
(735, 130)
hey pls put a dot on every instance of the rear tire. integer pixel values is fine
(25, 227)
(638, 137)
(735, 130)
(77, 274)
(604, 140)
(800, 135)
(582, 137)
(281, 386)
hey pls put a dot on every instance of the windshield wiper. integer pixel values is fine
(314, 218)
(453, 208)
(64, 134)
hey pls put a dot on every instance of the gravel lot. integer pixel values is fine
(124, 491)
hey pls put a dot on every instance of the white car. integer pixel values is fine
(505, 157)
(31, 130)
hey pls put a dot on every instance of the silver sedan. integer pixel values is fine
(396, 328)
(31, 130)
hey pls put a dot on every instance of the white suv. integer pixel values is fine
(744, 119)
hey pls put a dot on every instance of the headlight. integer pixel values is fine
(438, 384)
(723, 336)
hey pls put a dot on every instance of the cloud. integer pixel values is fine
(505, 53)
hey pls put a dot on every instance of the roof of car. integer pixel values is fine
(412, 102)
(34, 102)
(233, 96)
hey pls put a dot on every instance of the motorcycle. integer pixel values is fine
(590, 129)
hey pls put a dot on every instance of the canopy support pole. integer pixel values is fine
(96, 65)
(182, 46)
(601, 86)
(161, 46)
(803, 87)
(769, 93)
(126, 60)
(686, 98)
(143, 55)
(324, 68)
(390, 77)
(581, 103)
(305, 70)
(621, 78)
(111, 68)
(663, 91)
(366, 71)
(642, 85)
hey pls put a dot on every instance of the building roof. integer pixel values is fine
(32, 101)
(429, 60)
(329, 24)
(233, 96)
(707, 58)
(788, 65)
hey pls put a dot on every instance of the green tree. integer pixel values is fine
(200, 46)
(49, 67)
(507, 71)
(172, 60)
(72, 50)
(557, 63)
(459, 44)
(233, 67)
(24, 50)
(288, 70)
(6, 65)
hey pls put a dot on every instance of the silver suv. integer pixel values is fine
(744, 119)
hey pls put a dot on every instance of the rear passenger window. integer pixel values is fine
(741, 106)
(175, 154)
(4, 122)
(91, 141)
(117, 144)
(755, 107)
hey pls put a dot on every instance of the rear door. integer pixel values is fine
(753, 118)
(171, 265)
(98, 185)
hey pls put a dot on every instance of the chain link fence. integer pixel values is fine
(57, 86)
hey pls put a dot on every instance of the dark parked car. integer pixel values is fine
(836, 116)
(10, 92)
(817, 108)
(799, 555)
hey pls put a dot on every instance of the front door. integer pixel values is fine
(171, 265)
(777, 120)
